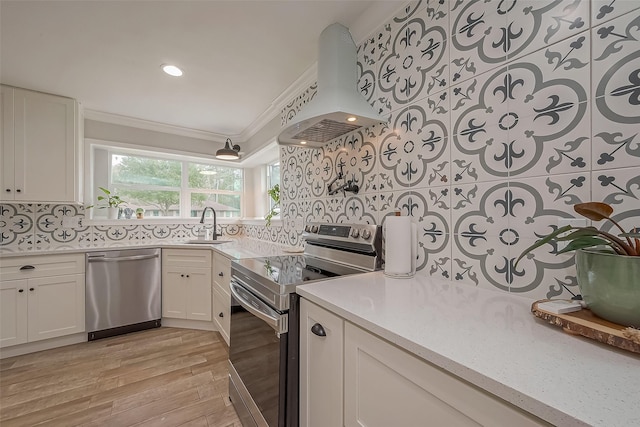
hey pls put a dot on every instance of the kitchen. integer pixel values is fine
(477, 151)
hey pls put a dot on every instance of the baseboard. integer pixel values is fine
(188, 324)
(32, 347)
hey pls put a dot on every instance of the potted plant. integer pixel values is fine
(274, 193)
(607, 265)
(109, 201)
(140, 213)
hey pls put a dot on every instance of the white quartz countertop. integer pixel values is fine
(492, 340)
(236, 248)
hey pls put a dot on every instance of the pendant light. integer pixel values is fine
(229, 152)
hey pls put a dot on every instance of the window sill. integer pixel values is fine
(161, 221)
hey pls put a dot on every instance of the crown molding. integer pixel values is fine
(301, 84)
(117, 119)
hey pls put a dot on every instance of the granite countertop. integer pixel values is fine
(492, 340)
(236, 248)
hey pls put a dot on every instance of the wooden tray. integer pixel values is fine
(587, 324)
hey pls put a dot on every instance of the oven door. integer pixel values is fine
(258, 358)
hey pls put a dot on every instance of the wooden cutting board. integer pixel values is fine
(587, 324)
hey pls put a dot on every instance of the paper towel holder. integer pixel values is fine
(413, 256)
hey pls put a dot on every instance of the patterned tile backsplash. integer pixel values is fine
(502, 115)
(35, 227)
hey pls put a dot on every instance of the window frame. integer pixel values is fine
(184, 190)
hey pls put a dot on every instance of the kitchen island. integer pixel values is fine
(492, 341)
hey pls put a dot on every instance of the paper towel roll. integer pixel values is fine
(398, 246)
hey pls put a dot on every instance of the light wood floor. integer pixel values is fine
(159, 377)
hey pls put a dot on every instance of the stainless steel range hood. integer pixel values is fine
(331, 113)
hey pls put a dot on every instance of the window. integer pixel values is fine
(168, 185)
(273, 178)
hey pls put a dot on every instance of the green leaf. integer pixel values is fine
(107, 192)
(583, 231)
(633, 234)
(584, 242)
(543, 241)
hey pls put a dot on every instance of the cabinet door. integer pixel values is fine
(45, 147)
(222, 272)
(6, 143)
(222, 313)
(385, 385)
(321, 361)
(13, 312)
(56, 306)
(199, 294)
(174, 292)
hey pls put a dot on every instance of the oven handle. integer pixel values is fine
(279, 322)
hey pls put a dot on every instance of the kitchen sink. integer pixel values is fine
(206, 242)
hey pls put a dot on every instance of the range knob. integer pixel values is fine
(307, 228)
(314, 228)
(355, 233)
(366, 234)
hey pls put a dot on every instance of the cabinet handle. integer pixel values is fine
(27, 267)
(21, 290)
(8, 190)
(182, 275)
(220, 315)
(18, 190)
(318, 330)
(32, 289)
(187, 275)
(221, 274)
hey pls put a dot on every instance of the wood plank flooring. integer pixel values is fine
(158, 377)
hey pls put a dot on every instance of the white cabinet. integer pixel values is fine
(14, 312)
(222, 294)
(321, 363)
(222, 313)
(378, 384)
(41, 297)
(40, 150)
(186, 284)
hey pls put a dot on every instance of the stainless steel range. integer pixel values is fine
(263, 351)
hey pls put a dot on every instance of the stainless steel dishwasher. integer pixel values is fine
(123, 292)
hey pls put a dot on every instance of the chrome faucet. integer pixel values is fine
(214, 234)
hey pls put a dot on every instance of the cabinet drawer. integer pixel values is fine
(43, 266)
(222, 272)
(198, 258)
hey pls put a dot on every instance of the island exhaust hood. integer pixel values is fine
(338, 107)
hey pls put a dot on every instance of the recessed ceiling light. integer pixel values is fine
(303, 142)
(351, 119)
(172, 70)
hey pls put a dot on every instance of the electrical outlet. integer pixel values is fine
(574, 222)
(70, 221)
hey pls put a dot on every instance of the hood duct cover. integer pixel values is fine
(338, 98)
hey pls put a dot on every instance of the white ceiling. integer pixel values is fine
(238, 57)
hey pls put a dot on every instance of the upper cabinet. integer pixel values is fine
(40, 147)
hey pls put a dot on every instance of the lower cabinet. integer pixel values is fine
(222, 313)
(44, 303)
(384, 385)
(321, 364)
(186, 284)
(222, 295)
